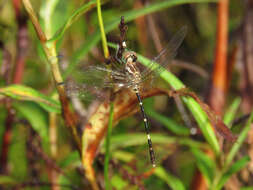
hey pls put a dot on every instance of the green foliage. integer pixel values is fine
(237, 166)
(107, 148)
(230, 113)
(77, 29)
(172, 181)
(20, 92)
(170, 124)
(75, 16)
(193, 106)
(36, 116)
(205, 164)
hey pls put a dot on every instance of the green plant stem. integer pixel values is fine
(231, 112)
(47, 15)
(107, 149)
(102, 31)
(109, 130)
(232, 153)
(239, 142)
(51, 54)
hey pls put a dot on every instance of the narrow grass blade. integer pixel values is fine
(75, 16)
(237, 166)
(137, 139)
(205, 164)
(230, 113)
(246, 188)
(107, 149)
(123, 155)
(102, 30)
(239, 142)
(172, 181)
(20, 92)
(168, 123)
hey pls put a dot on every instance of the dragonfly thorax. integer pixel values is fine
(129, 56)
(133, 72)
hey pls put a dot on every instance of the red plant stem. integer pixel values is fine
(17, 5)
(216, 98)
(6, 141)
(21, 46)
(141, 26)
(219, 77)
(247, 50)
(198, 182)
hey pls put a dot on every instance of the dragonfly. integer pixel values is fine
(126, 72)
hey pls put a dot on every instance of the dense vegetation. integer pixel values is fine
(199, 109)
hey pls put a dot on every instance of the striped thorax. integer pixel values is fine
(132, 70)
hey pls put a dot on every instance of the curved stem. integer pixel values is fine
(102, 31)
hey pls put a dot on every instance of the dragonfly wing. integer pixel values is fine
(94, 81)
(98, 76)
(160, 62)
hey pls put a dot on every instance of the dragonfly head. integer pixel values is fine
(129, 56)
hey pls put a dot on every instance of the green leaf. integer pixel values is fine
(36, 116)
(237, 166)
(123, 155)
(75, 16)
(72, 159)
(118, 182)
(172, 181)
(17, 157)
(129, 16)
(136, 139)
(230, 113)
(7, 180)
(107, 149)
(168, 123)
(47, 13)
(20, 92)
(246, 188)
(233, 151)
(205, 164)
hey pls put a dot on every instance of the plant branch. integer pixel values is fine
(50, 51)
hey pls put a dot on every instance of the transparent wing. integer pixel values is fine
(94, 80)
(99, 76)
(160, 62)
